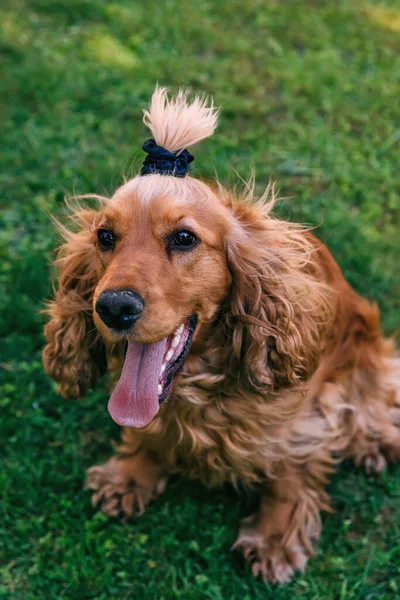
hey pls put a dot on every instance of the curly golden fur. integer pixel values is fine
(288, 372)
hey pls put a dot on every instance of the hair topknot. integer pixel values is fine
(178, 123)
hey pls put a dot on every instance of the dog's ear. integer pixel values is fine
(276, 307)
(75, 354)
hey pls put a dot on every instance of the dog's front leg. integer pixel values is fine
(126, 483)
(279, 538)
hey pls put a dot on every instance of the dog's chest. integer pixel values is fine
(224, 440)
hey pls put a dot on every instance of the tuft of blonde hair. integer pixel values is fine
(177, 123)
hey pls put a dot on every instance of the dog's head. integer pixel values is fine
(166, 260)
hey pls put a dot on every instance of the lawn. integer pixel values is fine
(310, 97)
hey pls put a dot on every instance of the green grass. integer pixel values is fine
(310, 97)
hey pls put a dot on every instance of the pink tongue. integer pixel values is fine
(134, 401)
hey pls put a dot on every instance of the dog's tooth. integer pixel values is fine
(159, 389)
(175, 341)
(169, 355)
(162, 368)
(180, 329)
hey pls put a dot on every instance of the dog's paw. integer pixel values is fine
(373, 463)
(117, 494)
(268, 557)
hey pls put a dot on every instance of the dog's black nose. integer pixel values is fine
(119, 309)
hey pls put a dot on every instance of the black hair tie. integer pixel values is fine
(164, 162)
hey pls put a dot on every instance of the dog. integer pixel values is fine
(238, 351)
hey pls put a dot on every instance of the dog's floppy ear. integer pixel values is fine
(273, 315)
(75, 354)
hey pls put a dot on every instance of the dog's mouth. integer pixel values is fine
(147, 376)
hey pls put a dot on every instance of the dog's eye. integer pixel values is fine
(182, 240)
(106, 238)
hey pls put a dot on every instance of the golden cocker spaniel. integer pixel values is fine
(238, 350)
